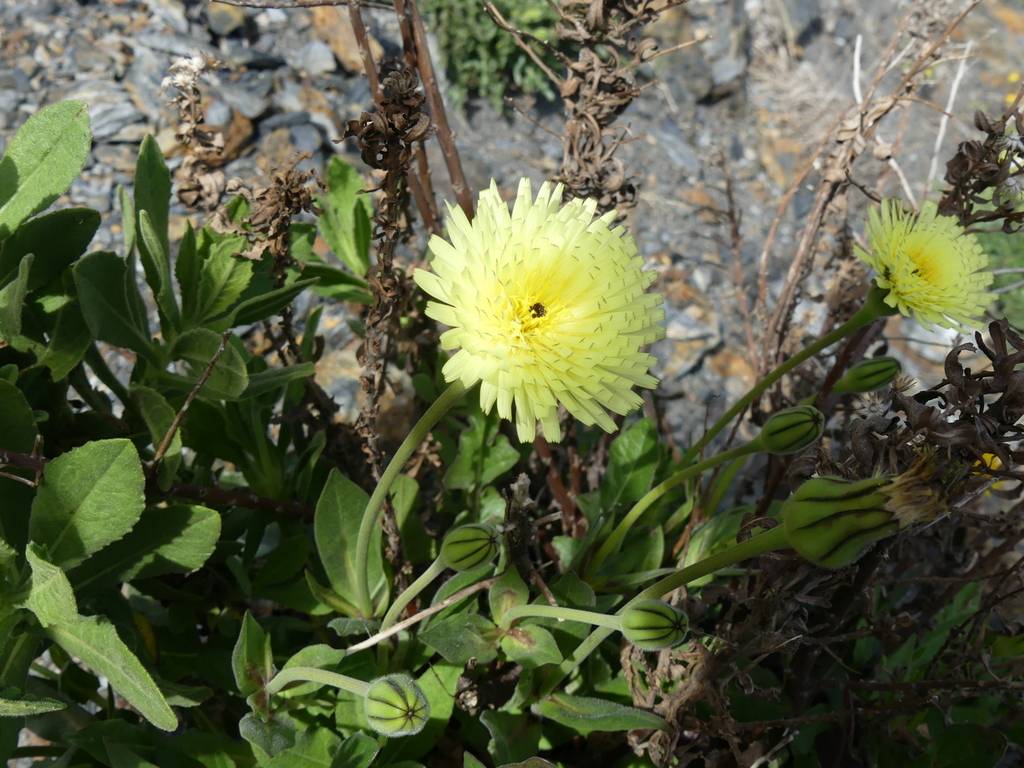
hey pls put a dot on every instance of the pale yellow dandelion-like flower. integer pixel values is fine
(932, 269)
(547, 305)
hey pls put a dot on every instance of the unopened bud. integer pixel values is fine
(791, 430)
(654, 624)
(468, 546)
(831, 521)
(395, 706)
(869, 375)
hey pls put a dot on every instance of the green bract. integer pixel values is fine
(791, 430)
(654, 624)
(468, 546)
(395, 706)
(831, 521)
(868, 375)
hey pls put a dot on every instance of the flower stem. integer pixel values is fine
(610, 622)
(752, 547)
(614, 541)
(874, 308)
(371, 516)
(434, 570)
(316, 675)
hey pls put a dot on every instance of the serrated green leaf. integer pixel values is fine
(95, 642)
(41, 161)
(586, 714)
(197, 348)
(107, 295)
(50, 596)
(88, 498)
(345, 219)
(222, 279)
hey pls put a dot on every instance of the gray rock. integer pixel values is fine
(249, 94)
(177, 45)
(171, 13)
(727, 69)
(9, 103)
(316, 58)
(218, 112)
(224, 19)
(283, 120)
(147, 70)
(108, 120)
(306, 138)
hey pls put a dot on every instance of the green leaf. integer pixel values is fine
(107, 295)
(88, 498)
(339, 511)
(127, 204)
(221, 281)
(275, 378)
(50, 596)
(507, 591)
(514, 736)
(632, 461)
(439, 684)
(156, 263)
(29, 705)
(56, 239)
(17, 422)
(713, 535)
(531, 646)
(460, 638)
(69, 340)
(262, 306)
(175, 539)
(345, 219)
(95, 642)
(229, 377)
(357, 751)
(484, 454)
(251, 660)
(12, 301)
(159, 415)
(41, 161)
(533, 762)
(312, 749)
(153, 194)
(585, 714)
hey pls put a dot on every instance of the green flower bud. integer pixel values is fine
(831, 521)
(654, 624)
(395, 706)
(868, 375)
(791, 430)
(468, 546)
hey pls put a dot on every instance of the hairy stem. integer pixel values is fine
(316, 675)
(371, 516)
(607, 621)
(434, 570)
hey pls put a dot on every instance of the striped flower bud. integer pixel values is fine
(831, 521)
(791, 430)
(395, 706)
(869, 375)
(468, 546)
(654, 624)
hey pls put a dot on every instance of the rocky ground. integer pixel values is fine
(760, 92)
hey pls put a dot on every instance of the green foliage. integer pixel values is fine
(1006, 252)
(483, 60)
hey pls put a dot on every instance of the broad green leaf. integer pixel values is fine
(320, 656)
(460, 638)
(632, 461)
(41, 161)
(88, 498)
(468, 761)
(105, 290)
(69, 340)
(585, 714)
(197, 348)
(17, 422)
(313, 748)
(187, 266)
(484, 454)
(355, 628)
(56, 240)
(336, 284)
(95, 642)
(509, 590)
(122, 757)
(50, 596)
(127, 204)
(153, 191)
(28, 706)
(514, 736)
(712, 535)
(251, 660)
(267, 739)
(159, 415)
(274, 378)
(156, 263)
(12, 301)
(531, 646)
(175, 539)
(962, 744)
(533, 762)
(345, 219)
(335, 526)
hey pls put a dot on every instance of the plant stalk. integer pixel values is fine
(371, 516)
(604, 620)
(434, 570)
(316, 675)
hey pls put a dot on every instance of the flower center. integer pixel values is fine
(529, 314)
(927, 267)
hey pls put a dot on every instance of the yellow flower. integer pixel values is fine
(931, 267)
(546, 306)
